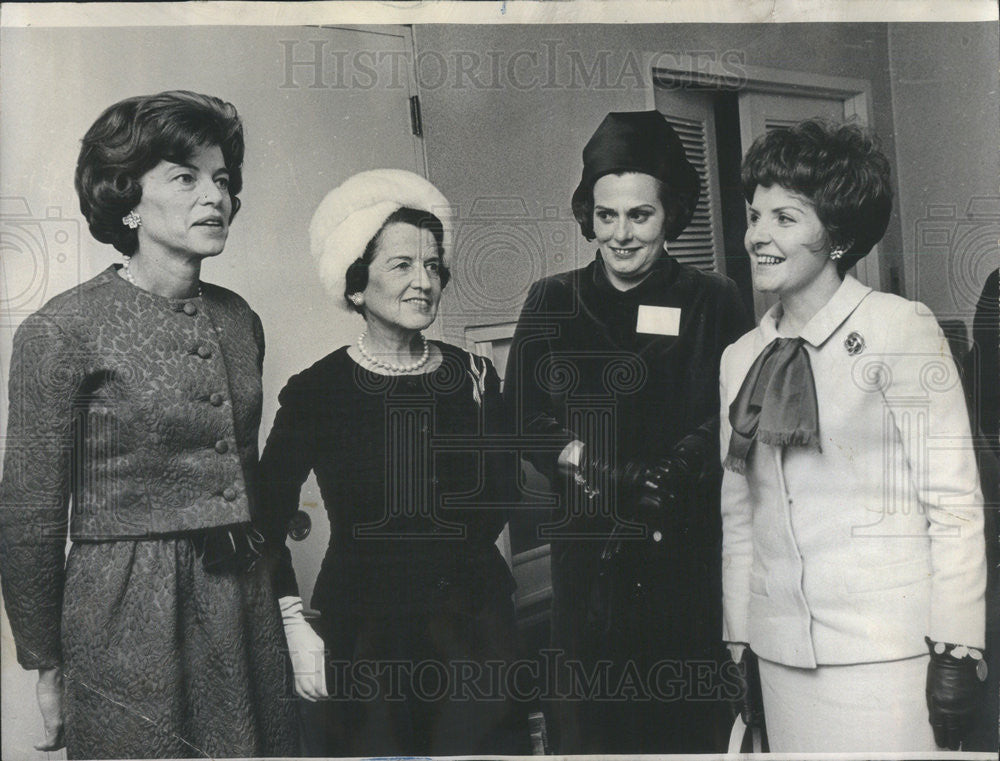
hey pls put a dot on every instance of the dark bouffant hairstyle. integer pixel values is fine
(356, 279)
(133, 136)
(678, 209)
(839, 168)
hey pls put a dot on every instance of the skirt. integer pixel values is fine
(164, 660)
(877, 707)
(427, 679)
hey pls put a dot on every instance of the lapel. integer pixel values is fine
(825, 322)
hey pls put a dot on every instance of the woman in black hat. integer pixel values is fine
(613, 374)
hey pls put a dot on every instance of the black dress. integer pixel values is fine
(415, 598)
(578, 368)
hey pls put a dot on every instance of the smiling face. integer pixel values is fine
(185, 208)
(630, 225)
(788, 245)
(404, 280)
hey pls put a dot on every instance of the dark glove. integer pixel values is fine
(955, 677)
(675, 476)
(749, 704)
(642, 487)
(652, 488)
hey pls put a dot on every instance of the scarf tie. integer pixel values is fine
(776, 403)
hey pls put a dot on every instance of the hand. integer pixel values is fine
(646, 491)
(49, 691)
(652, 484)
(669, 480)
(659, 485)
(954, 681)
(306, 649)
(750, 702)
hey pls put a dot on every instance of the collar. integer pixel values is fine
(826, 321)
(663, 272)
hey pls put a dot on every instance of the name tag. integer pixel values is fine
(661, 321)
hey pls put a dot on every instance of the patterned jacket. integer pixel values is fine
(139, 411)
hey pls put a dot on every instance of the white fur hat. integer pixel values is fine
(350, 215)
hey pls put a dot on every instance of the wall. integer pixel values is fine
(944, 86)
(514, 124)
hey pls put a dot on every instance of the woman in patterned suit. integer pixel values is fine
(135, 397)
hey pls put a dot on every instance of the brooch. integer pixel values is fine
(854, 343)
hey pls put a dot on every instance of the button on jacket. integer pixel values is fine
(123, 405)
(855, 553)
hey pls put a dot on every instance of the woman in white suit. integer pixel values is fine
(853, 558)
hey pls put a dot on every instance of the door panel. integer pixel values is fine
(760, 112)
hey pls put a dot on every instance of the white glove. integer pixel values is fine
(306, 649)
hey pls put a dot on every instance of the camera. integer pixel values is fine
(41, 257)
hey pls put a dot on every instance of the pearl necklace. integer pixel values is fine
(391, 367)
(127, 274)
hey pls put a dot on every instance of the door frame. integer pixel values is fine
(684, 71)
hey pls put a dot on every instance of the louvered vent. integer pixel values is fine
(696, 245)
(773, 124)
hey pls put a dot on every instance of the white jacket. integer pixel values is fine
(855, 553)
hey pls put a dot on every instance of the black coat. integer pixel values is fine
(579, 369)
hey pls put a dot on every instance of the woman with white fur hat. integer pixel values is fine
(414, 596)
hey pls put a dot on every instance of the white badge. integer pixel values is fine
(661, 321)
